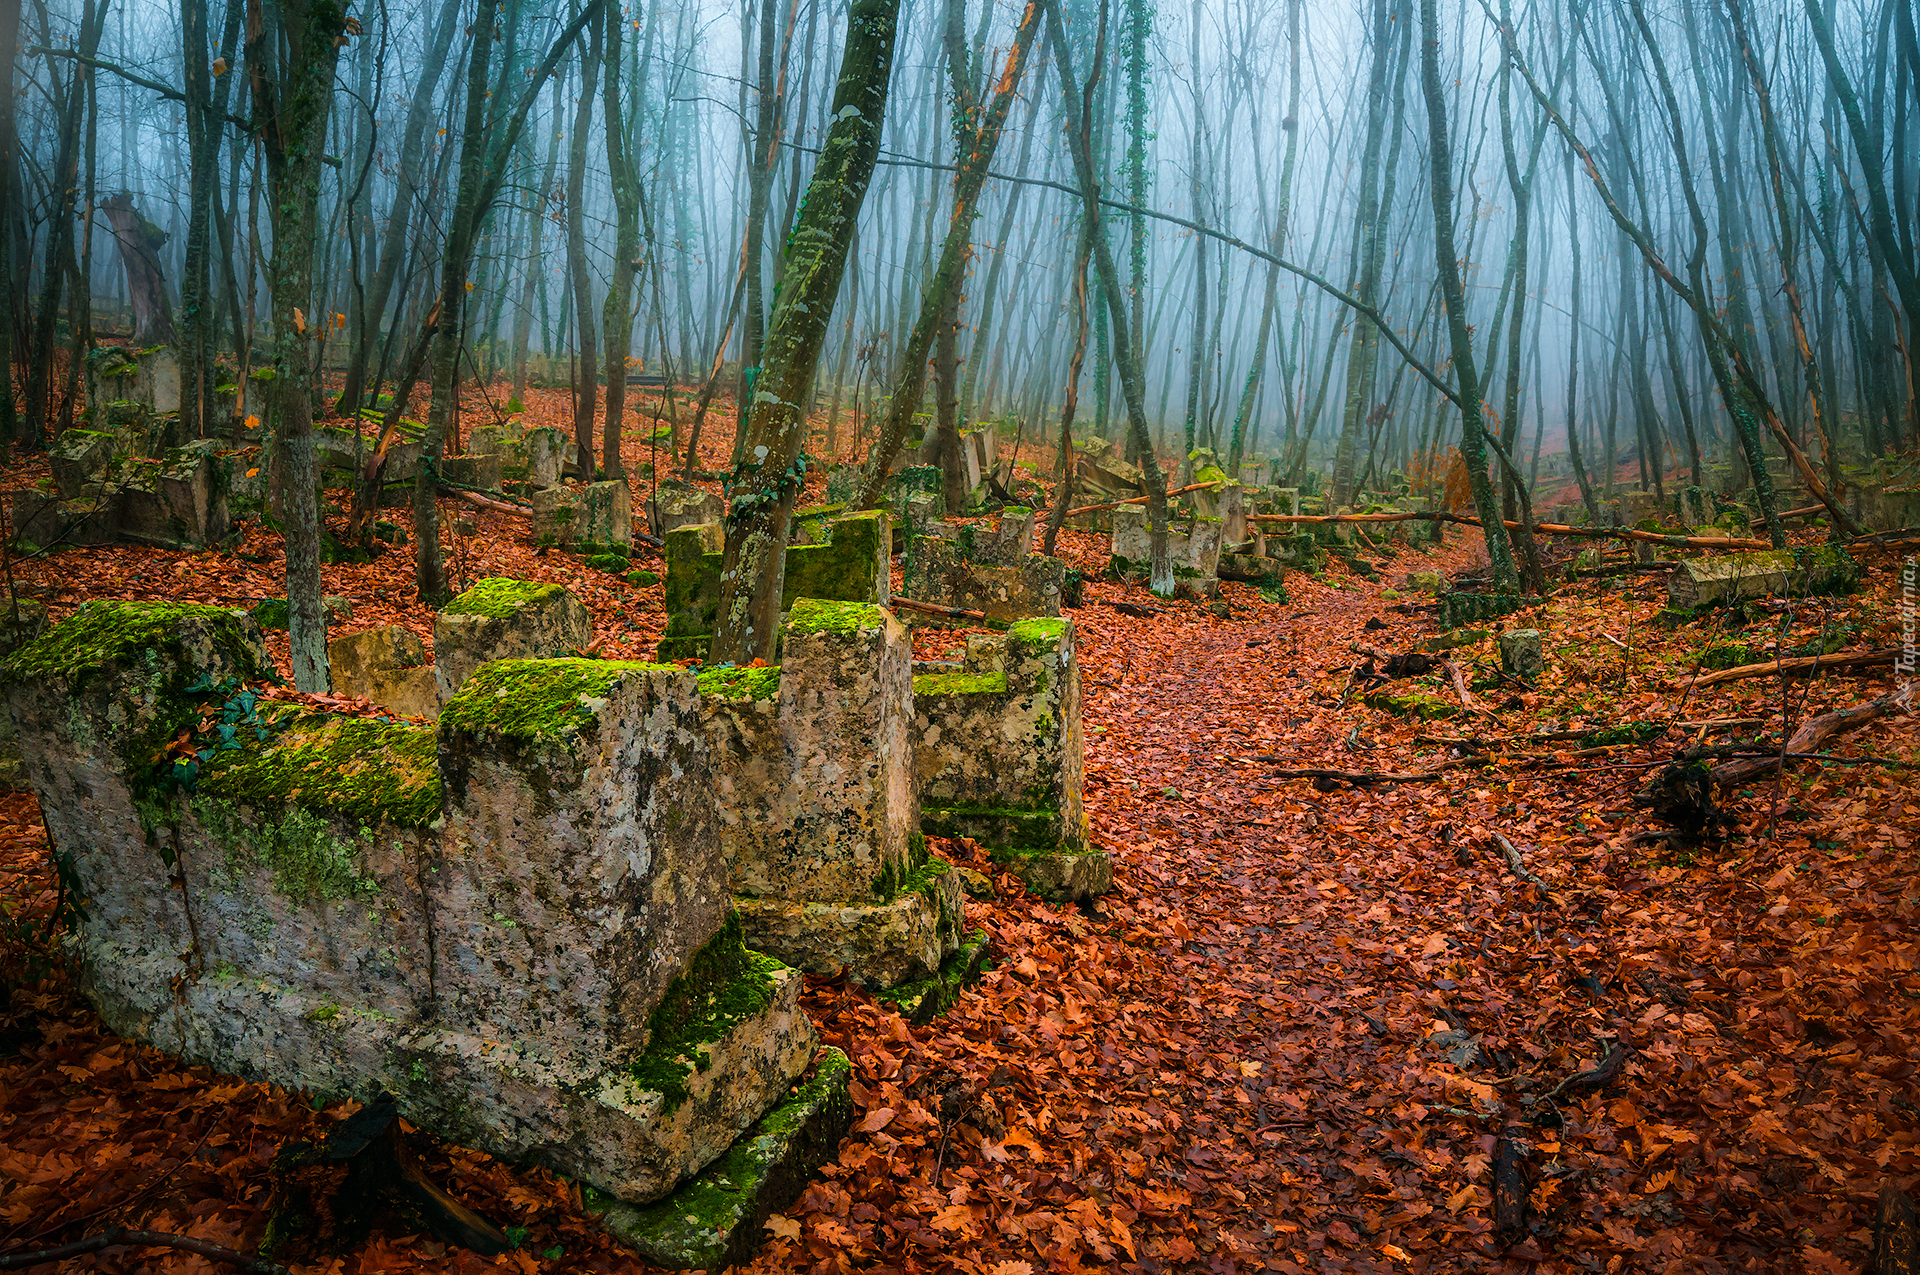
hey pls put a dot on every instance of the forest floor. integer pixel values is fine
(1299, 1032)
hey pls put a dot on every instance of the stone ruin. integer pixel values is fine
(994, 572)
(517, 922)
(1193, 543)
(848, 564)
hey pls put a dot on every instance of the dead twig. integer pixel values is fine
(117, 1236)
(1599, 1077)
(1518, 866)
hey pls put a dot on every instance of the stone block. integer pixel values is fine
(679, 504)
(717, 1219)
(1104, 474)
(1735, 577)
(507, 440)
(1633, 507)
(1252, 568)
(943, 573)
(37, 517)
(1434, 582)
(1521, 655)
(501, 619)
(156, 383)
(1009, 543)
(79, 459)
(814, 789)
(851, 565)
(1285, 500)
(595, 514)
(547, 453)
(1460, 609)
(387, 665)
(517, 926)
(998, 756)
(176, 501)
(1193, 545)
(480, 471)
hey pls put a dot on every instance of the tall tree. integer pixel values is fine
(770, 470)
(616, 318)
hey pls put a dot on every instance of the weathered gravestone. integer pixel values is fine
(1192, 543)
(992, 571)
(596, 514)
(814, 787)
(679, 504)
(850, 566)
(547, 450)
(1735, 577)
(504, 619)
(518, 925)
(998, 756)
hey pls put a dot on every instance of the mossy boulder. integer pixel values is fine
(499, 619)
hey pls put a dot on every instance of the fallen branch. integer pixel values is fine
(1811, 734)
(1137, 500)
(1467, 701)
(114, 1237)
(1600, 1077)
(1539, 529)
(1509, 1189)
(1801, 664)
(934, 608)
(1362, 778)
(1518, 865)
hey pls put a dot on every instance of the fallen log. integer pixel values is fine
(1467, 702)
(1518, 866)
(1808, 738)
(120, 1236)
(934, 608)
(1800, 664)
(1137, 500)
(1539, 529)
(1509, 1190)
(1363, 778)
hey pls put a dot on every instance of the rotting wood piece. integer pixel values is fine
(1896, 1234)
(1810, 735)
(1800, 664)
(1597, 1078)
(1509, 1189)
(1518, 865)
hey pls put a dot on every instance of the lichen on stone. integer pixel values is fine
(535, 699)
(730, 682)
(812, 615)
(302, 851)
(358, 768)
(725, 983)
(498, 597)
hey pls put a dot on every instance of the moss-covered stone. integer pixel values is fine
(815, 615)
(924, 1000)
(740, 683)
(534, 699)
(497, 597)
(960, 683)
(716, 1220)
(725, 983)
(100, 634)
(359, 768)
(1427, 708)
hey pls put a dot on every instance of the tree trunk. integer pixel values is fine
(1447, 260)
(769, 473)
(617, 315)
(586, 370)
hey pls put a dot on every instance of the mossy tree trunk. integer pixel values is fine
(196, 293)
(290, 67)
(1080, 108)
(1473, 447)
(943, 286)
(616, 317)
(586, 373)
(768, 475)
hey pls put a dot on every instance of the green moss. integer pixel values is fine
(724, 984)
(960, 683)
(611, 563)
(924, 1000)
(642, 579)
(101, 634)
(355, 767)
(534, 699)
(1425, 707)
(1626, 733)
(497, 597)
(1015, 829)
(1041, 633)
(302, 850)
(740, 683)
(813, 615)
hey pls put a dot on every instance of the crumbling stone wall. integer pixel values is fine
(517, 924)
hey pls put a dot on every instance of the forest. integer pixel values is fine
(1413, 504)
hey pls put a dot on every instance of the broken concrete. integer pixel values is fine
(479, 471)
(998, 756)
(547, 451)
(501, 619)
